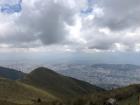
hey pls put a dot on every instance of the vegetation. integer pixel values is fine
(59, 85)
(14, 91)
(46, 87)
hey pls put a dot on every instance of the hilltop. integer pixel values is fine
(44, 84)
(58, 84)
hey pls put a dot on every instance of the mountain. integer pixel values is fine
(59, 85)
(11, 73)
(20, 93)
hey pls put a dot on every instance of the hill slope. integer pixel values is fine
(59, 85)
(14, 91)
(11, 73)
(124, 96)
(45, 84)
(129, 95)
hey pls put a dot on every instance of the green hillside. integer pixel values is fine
(45, 87)
(3, 102)
(132, 92)
(14, 91)
(59, 85)
(124, 96)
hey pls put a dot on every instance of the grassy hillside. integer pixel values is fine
(59, 85)
(133, 92)
(3, 102)
(55, 89)
(14, 91)
(11, 73)
(124, 96)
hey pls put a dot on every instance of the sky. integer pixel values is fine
(70, 26)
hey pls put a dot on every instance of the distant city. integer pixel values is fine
(104, 75)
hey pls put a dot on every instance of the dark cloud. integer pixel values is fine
(44, 21)
(48, 20)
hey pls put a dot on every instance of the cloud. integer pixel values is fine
(112, 26)
(118, 14)
(73, 25)
(44, 22)
(47, 20)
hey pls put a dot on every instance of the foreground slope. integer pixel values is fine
(11, 73)
(131, 95)
(59, 85)
(124, 96)
(16, 92)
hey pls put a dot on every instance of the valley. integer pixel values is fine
(106, 76)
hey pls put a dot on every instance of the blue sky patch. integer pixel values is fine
(10, 7)
(87, 10)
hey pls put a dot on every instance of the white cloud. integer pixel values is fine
(53, 24)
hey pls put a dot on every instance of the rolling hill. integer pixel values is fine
(55, 89)
(59, 85)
